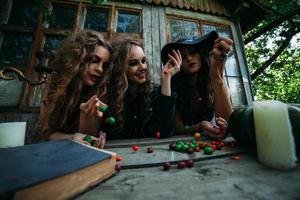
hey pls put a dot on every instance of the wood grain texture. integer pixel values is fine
(60, 169)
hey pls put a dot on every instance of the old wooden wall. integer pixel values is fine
(154, 35)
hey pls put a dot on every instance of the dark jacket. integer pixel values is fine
(142, 122)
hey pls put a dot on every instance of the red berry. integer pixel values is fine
(181, 165)
(214, 142)
(167, 166)
(236, 158)
(197, 149)
(149, 150)
(190, 150)
(118, 167)
(118, 158)
(214, 147)
(222, 144)
(219, 147)
(172, 146)
(189, 163)
(157, 134)
(135, 147)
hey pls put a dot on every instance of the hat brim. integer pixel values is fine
(206, 41)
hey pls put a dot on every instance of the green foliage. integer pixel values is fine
(281, 80)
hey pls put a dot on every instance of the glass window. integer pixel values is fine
(64, 16)
(181, 28)
(24, 13)
(224, 32)
(208, 28)
(10, 91)
(52, 43)
(236, 89)
(128, 22)
(15, 49)
(97, 19)
(37, 96)
(231, 65)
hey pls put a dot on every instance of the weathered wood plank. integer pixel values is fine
(180, 3)
(162, 154)
(187, 4)
(147, 33)
(221, 178)
(155, 23)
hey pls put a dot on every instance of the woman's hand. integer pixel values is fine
(95, 142)
(218, 55)
(91, 108)
(222, 125)
(170, 68)
(89, 116)
(212, 131)
(173, 64)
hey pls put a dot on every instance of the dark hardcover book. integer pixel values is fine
(52, 170)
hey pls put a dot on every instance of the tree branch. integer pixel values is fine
(282, 47)
(273, 24)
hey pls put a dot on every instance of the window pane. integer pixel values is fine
(180, 29)
(236, 91)
(52, 43)
(190, 28)
(223, 32)
(64, 16)
(176, 29)
(128, 23)
(10, 92)
(231, 65)
(37, 96)
(96, 19)
(15, 49)
(23, 13)
(208, 28)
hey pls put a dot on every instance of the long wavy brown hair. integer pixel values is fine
(120, 84)
(66, 90)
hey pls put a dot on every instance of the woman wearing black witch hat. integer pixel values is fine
(203, 102)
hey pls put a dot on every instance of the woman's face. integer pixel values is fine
(191, 62)
(136, 65)
(98, 64)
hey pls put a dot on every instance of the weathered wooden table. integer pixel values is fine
(216, 176)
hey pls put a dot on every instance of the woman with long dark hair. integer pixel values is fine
(81, 71)
(203, 103)
(145, 110)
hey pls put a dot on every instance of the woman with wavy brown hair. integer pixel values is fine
(143, 109)
(81, 71)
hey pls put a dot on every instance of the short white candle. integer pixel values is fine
(12, 134)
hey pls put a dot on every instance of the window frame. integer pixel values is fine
(200, 23)
(42, 30)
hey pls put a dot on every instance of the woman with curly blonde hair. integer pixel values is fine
(81, 71)
(143, 108)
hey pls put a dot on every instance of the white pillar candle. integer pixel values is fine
(274, 137)
(12, 134)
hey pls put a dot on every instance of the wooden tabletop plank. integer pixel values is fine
(162, 153)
